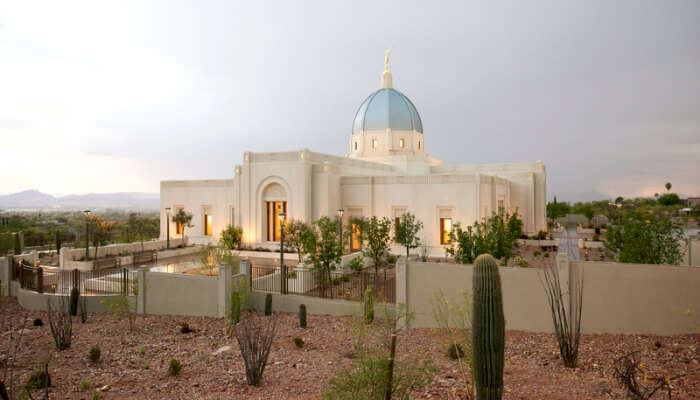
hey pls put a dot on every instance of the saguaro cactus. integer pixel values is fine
(488, 337)
(302, 315)
(268, 304)
(74, 296)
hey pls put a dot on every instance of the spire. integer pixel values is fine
(386, 76)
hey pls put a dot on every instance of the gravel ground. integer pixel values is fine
(134, 364)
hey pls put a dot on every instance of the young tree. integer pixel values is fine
(669, 199)
(298, 236)
(230, 237)
(377, 233)
(327, 251)
(407, 232)
(495, 235)
(141, 225)
(183, 218)
(101, 231)
(644, 238)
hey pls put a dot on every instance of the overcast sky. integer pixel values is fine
(116, 96)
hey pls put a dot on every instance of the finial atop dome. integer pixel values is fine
(386, 76)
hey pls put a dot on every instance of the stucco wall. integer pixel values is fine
(35, 301)
(618, 298)
(314, 305)
(180, 294)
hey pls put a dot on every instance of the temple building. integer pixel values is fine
(386, 173)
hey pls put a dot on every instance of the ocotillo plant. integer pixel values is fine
(302, 315)
(74, 297)
(268, 304)
(488, 336)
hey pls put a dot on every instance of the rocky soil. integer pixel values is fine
(134, 365)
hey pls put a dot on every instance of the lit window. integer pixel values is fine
(401, 143)
(374, 143)
(178, 225)
(273, 219)
(207, 225)
(355, 239)
(445, 230)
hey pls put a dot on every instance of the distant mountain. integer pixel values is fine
(34, 199)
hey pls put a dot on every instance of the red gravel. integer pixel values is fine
(134, 365)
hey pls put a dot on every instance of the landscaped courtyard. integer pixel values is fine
(135, 364)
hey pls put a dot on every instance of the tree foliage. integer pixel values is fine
(495, 235)
(299, 236)
(407, 232)
(142, 226)
(377, 235)
(669, 199)
(101, 231)
(646, 238)
(557, 210)
(183, 218)
(230, 237)
(324, 250)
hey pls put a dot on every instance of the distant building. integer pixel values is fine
(691, 202)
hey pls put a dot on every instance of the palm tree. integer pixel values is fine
(668, 186)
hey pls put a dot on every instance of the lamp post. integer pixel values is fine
(341, 211)
(283, 269)
(167, 224)
(87, 237)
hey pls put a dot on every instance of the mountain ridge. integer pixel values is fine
(33, 199)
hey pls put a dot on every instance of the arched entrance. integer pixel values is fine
(274, 201)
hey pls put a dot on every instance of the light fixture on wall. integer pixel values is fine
(167, 224)
(283, 269)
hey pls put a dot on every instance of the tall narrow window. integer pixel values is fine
(178, 226)
(500, 205)
(401, 143)
(207, 224)
(273, 219)
(445, 230)
(374, 143)
(355, 145)
(355, 240)
(419, 145)
(397, 223)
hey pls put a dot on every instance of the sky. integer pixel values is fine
(104, 97)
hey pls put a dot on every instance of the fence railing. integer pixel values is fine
(348, 285)
(102, 282)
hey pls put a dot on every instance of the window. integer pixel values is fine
(397, 223)
(355, 241)
(355, 145)
(207, 225)
(419, 145)
(178, 226)
(500, 204)
(273, 219)
(401, 143)
(445, 230)
(374, 143)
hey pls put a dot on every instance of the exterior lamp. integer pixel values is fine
(341, 211)
(87, 240)
(167, 224)
(283, 270)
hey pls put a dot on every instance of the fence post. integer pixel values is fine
(76, 279)
(21, 275)
(40, 280)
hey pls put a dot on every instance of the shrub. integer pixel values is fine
(454, 351)
(391, 259)
(123, 308)
(536, 253)
(60, 323)
(40, 379)
(546, 254)
(239, 297)
(368, 306)
(356, 264)
(345, 278)
(255, 336)
(94, 354)
(185, 327)
(596, 237)
(74, 296)
(95, 395)
(85, 385)
(541, 235)
(174, 367)
(522, 263)
(336, 281)
(299, 342)
(488, 339)
(38, 322)
(302, 315)
(83, 309)
(268, 304)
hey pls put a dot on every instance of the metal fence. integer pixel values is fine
(348, 285)
(54, 281)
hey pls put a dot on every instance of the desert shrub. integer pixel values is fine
(83, 309)
(368, 306)
(185, 327)
(521, 262)
(302, 315)
(268, 304)
(174, 367)
(299, 342)
(536, 253)
(40, 379)
(546, 254)
(85, 385)
(391, 259)
(596, 237)
(239, 297)
(336, 281)
(255, 336)
(541, 235)
(95, 395)
(74, 296)
(94, 354)
(455, 351)
(38, 322)
(60, 322)
(123, 307)
(627, 370)
(345, 278)
(356, 264)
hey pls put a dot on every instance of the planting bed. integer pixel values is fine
(135, 365)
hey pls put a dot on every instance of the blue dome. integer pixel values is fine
(387, 108)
